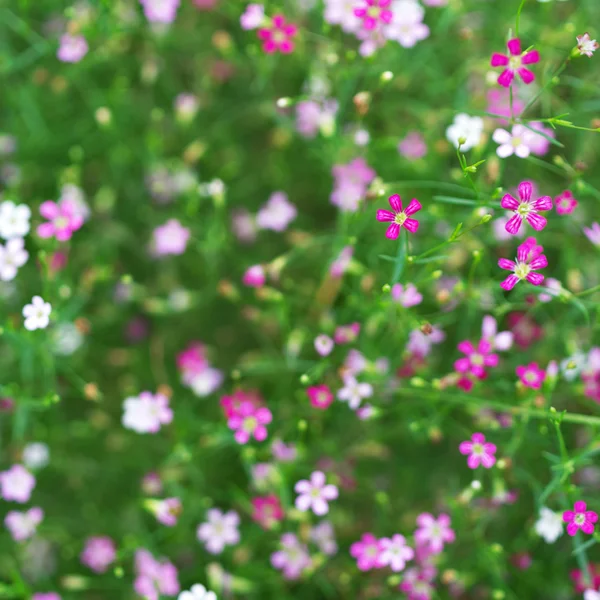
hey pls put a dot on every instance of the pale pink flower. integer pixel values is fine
(324, 345)
(99, 553)
(394, 552)
(537, 143)
(565, 203)
(292, 558)
(529, 259)
(366, 552)
(416, 582)
(413, 146)
(63, 220)
(346, 334)
(154, 578)
(499, 104)
(283, 452)
(254, 276)
(45, 596)
(531, 375)
(315, 494)
(374, 13)
(323, 536)
(186, 106)
(72, 48)
(355, 362)
(23, 525)
(250, 421)
(340, 265)
(399, 218)
(420, 343)
(152, 484)
(252, 17)
(580, 518)
(434, 533)
(166, 511)
(160, 11)
(479, 451)
(553, 289)
(407, 295)
(341, 12)
(489, 331)
(513, 142)
(206, 382)
(514, 63)
(146, 413)
(278, 37)
(277, 213)
(219, 530)
(313, 117)
(243, 225)
(586, 45)
(16, 484)
(407, 27)
(170, 238)
(593, 233)
(354, 392)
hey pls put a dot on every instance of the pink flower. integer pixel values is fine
(342, 262)
(170, 238)
(374, 13)
(580, 518)
(243, 225)
(45, 596)
(315, 493)
(586, 45)
(219, 530)
(416, 583)
(231, 404)
(434, 533)
(160, 11)
(277, 213)
(514, 63)
(399, 217)
(283, 452)
(152, 484)
(346, 334)
(529, 259)
(351, 181)
(489, 331)
(537, 143)
(279, 36)
(413, 146)
(267, 510)
(250, 421)
(525, 330)
(406, 295)
(531, 375)
(395, 552)
(499, 104)
(154, 578)
(513, 142)
(565, 203)
(313, 116)
(324, 345)
(63, 220)
(320, 396)
(192, 361)
(72, 48)
(480, 452)
(366, 551)
(166, 511)
(16, 484)
(354, 392)
(254, 276)
(252, 17)
(99, 553)
(323, 536)
(476, 359)
(23, 525)
(593, 233)
(293, 557)
(146, 413)
(526, 209)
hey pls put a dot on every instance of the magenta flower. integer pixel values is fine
(399, 217)
(374, 11)
(320, 396)
(531, 375)
(480, 452)
(248, 421)
(434, 533)
(514, 63)
(580, 518)
(565, 203)
(476, 359)
(366, 551)
(278, 37)
(254, 276)
(45, 596)
(416, 583)
(395, 552)
(346, 334)
(526, 209)
(99, 553)
(529, 259)
(63, 220)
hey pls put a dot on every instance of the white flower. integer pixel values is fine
(341, 12)
(489, 332)
(549, 525)
(206, 382)
(407, 27)
(591, 595)
(36, 455)
(12, 256)
(146, 413)
(37, 314)
(14, 220)
(220, 530)
(197, 592)
(467, 129)
(353, 392)
(571, 367)
(66, 339)
(512, 143)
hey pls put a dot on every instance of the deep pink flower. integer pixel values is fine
(531, 375)
(416, 583)
(279, 36)
(231, 404)
(526, 209)
(399, 218)
(346, 334)
(366, 551)
(580, 518)
(192, 361)
(524, 329)
(529, 259)
(565, 203)
(479, 451)
(373, 12)
(476, 359)
(63, 220)
(320, 396)
(99, 553)
(250, 421)
(254, 276)
(514, 63)
(267, 510)
(434, 533)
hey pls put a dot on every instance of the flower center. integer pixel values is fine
(374, 12)
(322, 397)
(315, 492)
(477, 359)
(514, 62)
(522, 270)
(371, 551)
(279, 36)
(249, 424)
(524, 208)
(61, 222)
(579, 518)
(400, 218)
(477, 449)
(516, 142)
(530, 377)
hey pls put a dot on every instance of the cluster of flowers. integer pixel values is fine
(196, 371)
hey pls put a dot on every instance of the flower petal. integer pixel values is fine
(572, 528)
(514, 46)
(509, 283)
(392, 231)
(580, 506)
(509, 265)
(526, 75)
(525, 190)
(396, 203)
(530, 57)
(506, 78)
(536, 221)
(535, 278)
(413, 207)
(49, 209)
(539, 262)
(509, 202)
(465, 447)
(411, 224)
(385, 215)
(543, 203)
(499, 60)
(514, 224)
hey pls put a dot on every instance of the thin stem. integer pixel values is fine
(400, 256)
(596, 288)
(518, 22)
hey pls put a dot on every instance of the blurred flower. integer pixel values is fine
(580, 518)
(565, 203)
(170, 238)
(489, 331)
(315, 494)
(593, 233)
(73, 195)
(513, 142)
(526, 209)
(63, 220)
(499, 103)
(278, 37)
(434, 533)
(12, 257)
(313, 117)
(320, 396)
(99, 553)
(407, 295)
(346, 334)
(571, 367)
(553, 287)
(529, 259)
(197, 592)
(253, 16)
(342, 262)
(249, 421)
(323, 535)
(160, 11)
(146, 413)
(416, 583)
(413, 146)
(591, 595)
(536, 142)
(354, 392)
(324, 345)
(36, 455)
(374, 13)
(525, 330)
(72, 48)
(219, 530)
(514, 63)
(292, 558)
(186, 107)
(254, 276)
(284, 452)
(14, 220)
(586, 46)
(152, 484)
(350, 185)
(243, 225)
(420, 343)
(479, 452)
(8, 145)
(355, 362)
(394, 552)
(277, 213)
(407, 27)
(476, 359)
(154, 578)
(366, 552)
(399, 218)
(267, 510)
(341, 12)
(45, 596)
(362, 137)
(23, 525)
(37, 314)
(465, 132)
(549, 525)
(166, 511)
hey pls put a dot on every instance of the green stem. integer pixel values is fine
(596, 288)
(517, 28)
(400, 256)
